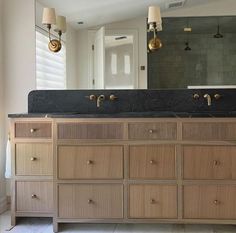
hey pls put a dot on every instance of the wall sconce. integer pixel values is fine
(155, 25)
(49, 19)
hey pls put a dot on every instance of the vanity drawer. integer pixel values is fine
(157, 130)
(90, 162)
(210, 201)
(152, 201)
(33, 130)
(35, 196)
(90, 201)
(209, 162)
(152, 162)
(90, 131)
(33, 159)
(214, 131)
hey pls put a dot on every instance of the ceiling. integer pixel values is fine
(101, 12)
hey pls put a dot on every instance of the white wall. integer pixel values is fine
(2, 119)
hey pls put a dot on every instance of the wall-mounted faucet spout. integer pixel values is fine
(100, 99)
(208, 97)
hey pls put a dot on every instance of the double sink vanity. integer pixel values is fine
(142, 157)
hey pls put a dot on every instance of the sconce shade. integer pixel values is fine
(49, 16)
(154, 15)
(60, 24)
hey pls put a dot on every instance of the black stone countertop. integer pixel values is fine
(126, 115)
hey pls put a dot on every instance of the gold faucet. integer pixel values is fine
(208, 97)
(100, 99)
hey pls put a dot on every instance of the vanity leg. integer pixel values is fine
(55, 226)
(13, 220)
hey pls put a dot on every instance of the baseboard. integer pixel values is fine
(3, 204)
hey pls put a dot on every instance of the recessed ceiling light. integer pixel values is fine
(80, 22)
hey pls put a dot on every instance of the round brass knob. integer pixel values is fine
(216, 163)
(151, 161)
(196, 96)
(152, 201)
(217, 96)
(33, 196)
(113, 97)
(33, 158)
(32, 130)
(90, 201)
(216, 202)
(89, 162)
(151, 131)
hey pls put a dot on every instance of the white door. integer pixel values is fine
(99, 59)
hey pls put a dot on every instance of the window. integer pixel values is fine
(127, 64)
(114, 64)
(50, 67)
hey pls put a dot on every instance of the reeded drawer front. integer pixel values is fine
(90, 131)
(90, 201)
(209, 162)
(33, 130)
(152, 162)
(214, 131)
(90, 162)
(158, 130)
(152, 201)
(210, 201)
(34, 196)
(34, 159)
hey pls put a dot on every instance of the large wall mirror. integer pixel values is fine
(109, 51)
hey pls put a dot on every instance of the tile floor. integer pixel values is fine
(42, 225)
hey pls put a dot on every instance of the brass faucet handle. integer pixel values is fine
(196, 96)
(91, 97)
(113, 97)
(217, 96)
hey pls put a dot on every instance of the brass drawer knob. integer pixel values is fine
(151, 131)
(90, 201)
(152, 201)
(216, 163)
(33, 196)
(32, 130)
(216, 202)
(113, 97)
(33, 159)
(89, 162)
(151, 161)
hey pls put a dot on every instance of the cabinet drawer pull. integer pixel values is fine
(152, 201)
(33, 196)
(89, 162)
(216, 163)
(151, 131)
(33, 158)
(152, 161)
(90, 201)
(32, 130)
(216, 202)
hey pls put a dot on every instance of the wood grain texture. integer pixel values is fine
(33, 159)
(152, 201)
(90, 162)
(90, 201)
(148, 131)
(152, 162)
(40, 130)
(212, 131)
(210, 201)
(90, 131)
(43, 202)
(209, 162)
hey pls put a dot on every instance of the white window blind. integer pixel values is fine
(50, 67)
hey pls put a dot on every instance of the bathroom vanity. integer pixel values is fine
(134, 167)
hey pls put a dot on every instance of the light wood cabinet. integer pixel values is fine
(210, 201)
(209, 162)
(152, 162)
(152, 201)
(90, 200)
(156, 170)
(34, 196)
(34, 159)
(90, 162)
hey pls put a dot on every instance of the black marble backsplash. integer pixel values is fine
(75, 101)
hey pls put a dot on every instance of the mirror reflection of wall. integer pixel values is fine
(197, 51)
